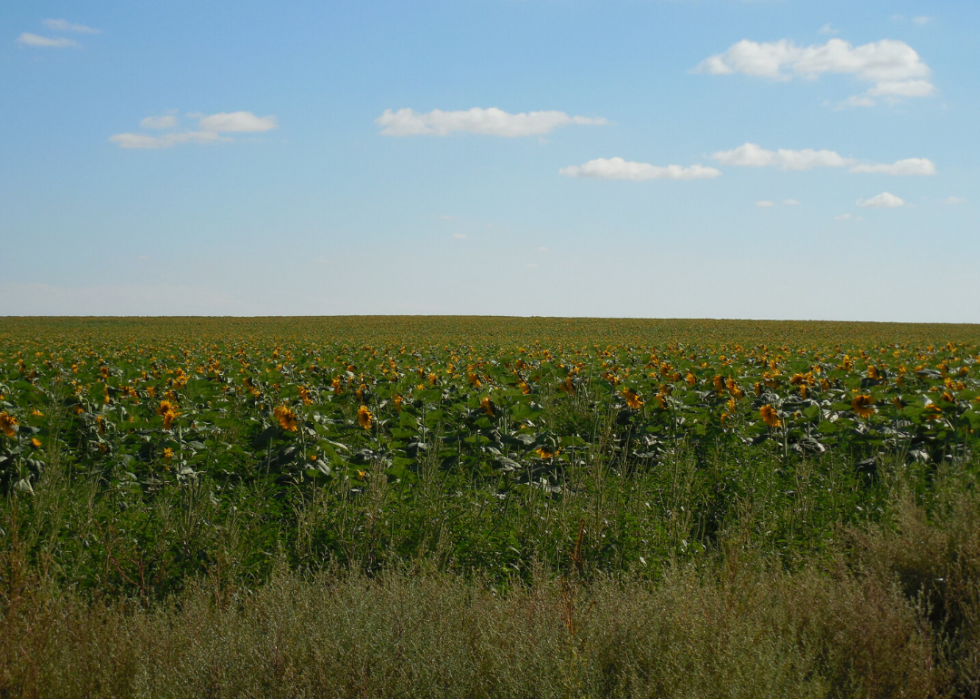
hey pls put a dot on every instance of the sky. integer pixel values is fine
(767, 159)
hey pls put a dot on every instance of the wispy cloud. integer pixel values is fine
(907, 167)
(765, 204)
(754, 155)
(210, 130)
(619, 169)
(44, 42)
(492, 122)
(239, 122)
(954, 200)
(791, 202)
(159, 122)
(894, 67)
(921, 19)
(63, 25)
(885, 200)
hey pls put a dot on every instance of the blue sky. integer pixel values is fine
(711, 158)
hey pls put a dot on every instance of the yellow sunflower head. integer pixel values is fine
(286, 417)
(770, 416)
(632, 399)
(8, 424)
(364, 417)
(863, 405)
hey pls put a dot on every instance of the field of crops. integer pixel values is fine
(138, 456)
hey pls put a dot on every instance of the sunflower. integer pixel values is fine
(804, 392)
(336, 386)
(863, 405)
(35, 442)
(948, 397)
(933, 412)
(168, 411)
(691, 379)
(168, 453)
(364, 417)
(286, 417)
(8, 424)
(632, 399)
(397, 400)
(486, 405)
(719, 384)
(545, 453)
(770, 416)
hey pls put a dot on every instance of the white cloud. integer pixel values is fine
(954, 200)
(238, 122)
(542, 248)
(907, 167)
(493, 122)
(211, 129)
(142, 141)
(921, 19)
(159, 122)
(885, 200)
(791, 202)
(28, 39)
(843, 217)
(893, 66)
(765, 204)
(619, 169)
(459, 236)
(754, 155)
(901, 88)
(63, 25)
(856, 101)
(828, 28)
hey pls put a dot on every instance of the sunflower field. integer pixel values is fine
(377, 415)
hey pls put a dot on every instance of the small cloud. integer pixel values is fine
(765, 204)
(906, 168)
(159, 122)
(753, 155)
(491, 122)
(843, 217)
(144, 142)
(892, 67)
(211, 129)
(28, 39)
(619, 169)
(791, 202)
(856, 101)
(898, 88)
(921, 19)
(954, 200)
(459, 236)
(63, 25)
(542, 249)
(885, 200)
(828, 28)
(238, 122)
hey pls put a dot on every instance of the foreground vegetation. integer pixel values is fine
(488, 507)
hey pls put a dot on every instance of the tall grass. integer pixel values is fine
(757, 594)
